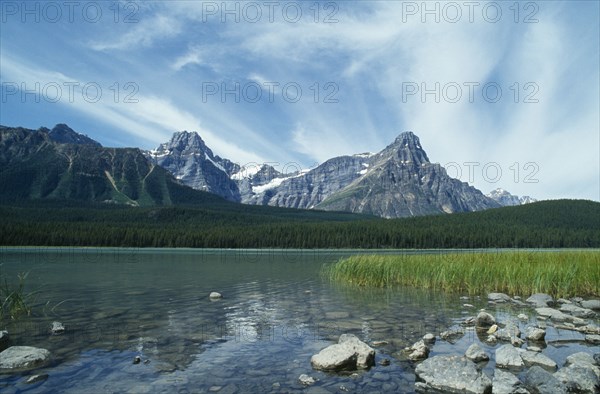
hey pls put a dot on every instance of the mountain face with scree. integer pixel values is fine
(399, 181)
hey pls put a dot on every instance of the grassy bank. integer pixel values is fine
(561, 274)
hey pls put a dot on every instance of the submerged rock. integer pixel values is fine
(451, 374)
(23, 358)
(507, 383)
(306, 380)
(452, 336)
(476, 354)
(507, 356)
(36, 378)
(3, 339)
(541, 300)
(349, 353)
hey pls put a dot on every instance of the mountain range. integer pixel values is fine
(398, 181)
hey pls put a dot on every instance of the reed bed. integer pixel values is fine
(560, 274)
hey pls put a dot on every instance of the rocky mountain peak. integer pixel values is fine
(63, 134)
(504, 198)
(186, 142)
(406, 149)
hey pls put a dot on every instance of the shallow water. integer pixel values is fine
(276, 312)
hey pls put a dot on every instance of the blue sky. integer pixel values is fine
(131, 73)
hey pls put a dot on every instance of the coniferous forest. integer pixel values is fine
(219, 224)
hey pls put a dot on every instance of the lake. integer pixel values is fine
(276, 312)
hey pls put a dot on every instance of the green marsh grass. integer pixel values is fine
(560, 274)
(14, 301)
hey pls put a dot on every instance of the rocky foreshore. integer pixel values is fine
(507, 358)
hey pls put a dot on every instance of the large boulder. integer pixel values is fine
(451, 374)
(541, 300)
(579, 379)
(584, 360)
(349, 353)
(540, 381)
(20, 358)
(507, 383)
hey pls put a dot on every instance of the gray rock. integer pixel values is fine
(507, 383)
(23, 358)
(385, 362)
(523, 316)
(476, 354)
(509, 333)
(561, 301)
(579, 379)
(484, 319)
(507, 356)
(57, 328)
(585, 360)
(306, 380)
(429, 338)
(451, 374)
(535, 334)
(215, 295)
(337, 315)
(593, 339)
(499, 297)
(537, 380)
(577, 311)
(540, 300)
(4, 338)
(419, 351)
(348, 354)
(591, 304)
(534, 358)
(553, 314)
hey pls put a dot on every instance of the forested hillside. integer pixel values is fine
(219, 224)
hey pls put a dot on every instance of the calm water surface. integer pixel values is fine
(276, 312)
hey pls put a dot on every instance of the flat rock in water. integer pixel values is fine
(577, 311)
(553, 314)
(541, 300)
(57, 328)
(507, 356)
(593, 339)
(534, 358)
(591, 304)
(499, 297)
(23, 358)
(451, 374)
(579, 379)
(452, 336)
(306, 380)
(538, 380)
(348, 354)
(476, 354)
(507, 383)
